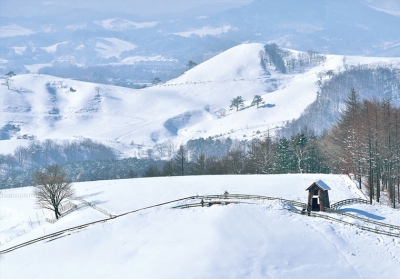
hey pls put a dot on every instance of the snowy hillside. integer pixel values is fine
(256, 240)
(191, 106)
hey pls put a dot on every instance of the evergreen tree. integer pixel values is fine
(191, 64)
(237, 103)
(181, 161)
(285, 161)
(257, 100)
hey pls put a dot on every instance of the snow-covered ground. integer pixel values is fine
(116, 24)
(14, 30)
(109, 47)
(207, 30)
(236, 241)
(193, 105)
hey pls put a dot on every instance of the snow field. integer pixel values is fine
(260, 240)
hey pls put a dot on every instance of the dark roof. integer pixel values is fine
(322, 185)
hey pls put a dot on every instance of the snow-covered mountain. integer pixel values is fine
(88, 38)
(196, 104)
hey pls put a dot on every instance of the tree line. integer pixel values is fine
(40, 154)
(370, 81)
(297, 154)
(365, 142)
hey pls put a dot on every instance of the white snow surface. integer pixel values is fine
(260, 240)
(193, 105)
(13, 30)
(207, 30)
(116, 24)
(109, 47)
(53, 48)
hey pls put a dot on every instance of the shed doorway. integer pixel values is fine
(315, 204)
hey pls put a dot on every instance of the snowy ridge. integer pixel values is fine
(193, 105)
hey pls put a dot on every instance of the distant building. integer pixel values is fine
(318, 197)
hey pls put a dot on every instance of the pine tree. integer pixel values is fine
(237, 103)
(257, 100)
(181, 161)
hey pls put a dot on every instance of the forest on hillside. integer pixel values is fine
(365, 142)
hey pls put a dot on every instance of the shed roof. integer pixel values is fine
(322, 185)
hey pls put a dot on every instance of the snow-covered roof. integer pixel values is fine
(321, 185)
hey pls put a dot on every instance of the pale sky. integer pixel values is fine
(138, 7)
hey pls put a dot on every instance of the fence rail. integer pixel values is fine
(56, 234)
(363, 219)
(252, 197)
(388, 233)
(105, 212)
(64, 210)
(17, 196)
(348, 201)
(303, 205)
(228, 196)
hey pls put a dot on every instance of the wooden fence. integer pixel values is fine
(313, 214)
(348, 201)
(17, 196)
(105, 212)
(210, 197)
(57, 234)
(364, 219)
(64, 210)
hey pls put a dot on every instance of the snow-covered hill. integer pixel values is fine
(191, 106)
(260, 240)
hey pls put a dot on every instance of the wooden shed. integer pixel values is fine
(318, 197)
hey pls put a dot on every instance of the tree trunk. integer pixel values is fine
(56, 212)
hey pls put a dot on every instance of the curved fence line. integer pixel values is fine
(335, 205)
(226, 197)
(364, 219)
(313, 214)
(52, 235)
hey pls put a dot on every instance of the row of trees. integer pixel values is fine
(370, 81)
(238, 102)
(297, 154)
(285, 61)
(48, 152)
(366, 142)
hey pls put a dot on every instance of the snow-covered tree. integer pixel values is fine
(257, 100)
(237, 103)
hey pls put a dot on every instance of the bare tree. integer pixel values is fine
(97, 88)
(7, 81)
(52, 188)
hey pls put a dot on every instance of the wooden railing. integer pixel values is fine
(388, 233)
(363, 219)
(313, 214)
(56, 234)
(348, 201)
(105, 212)
(222, 198)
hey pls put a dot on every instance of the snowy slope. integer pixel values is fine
(235, 241)
(194, 105)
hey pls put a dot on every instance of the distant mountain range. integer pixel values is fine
(88, 39)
